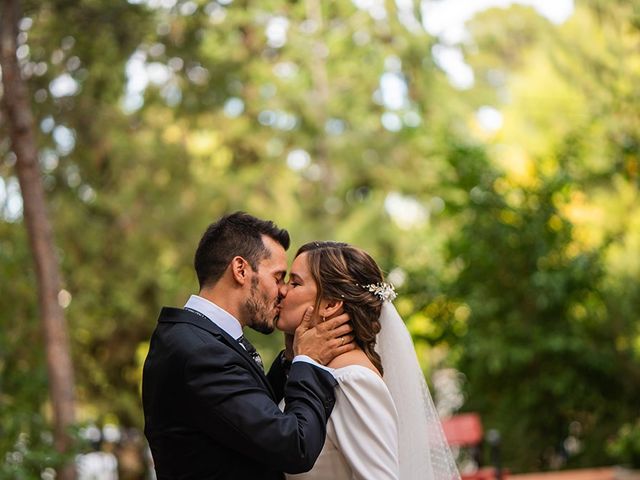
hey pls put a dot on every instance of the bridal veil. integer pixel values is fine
(424, 452)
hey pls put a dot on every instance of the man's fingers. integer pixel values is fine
(335, 322)
(343, 340)
(347, 347)
(342, 330)
(306, 322)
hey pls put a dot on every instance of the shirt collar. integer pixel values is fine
(216, 314)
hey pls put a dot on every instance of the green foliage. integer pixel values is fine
(536, 332)
(547, 348)
(27, 446)
(518, 265)
(132, 186)
(625, 447)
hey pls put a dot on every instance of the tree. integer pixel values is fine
(16, 107)
(539, 351)
(136, 173)
(333, 119)
(544, 250)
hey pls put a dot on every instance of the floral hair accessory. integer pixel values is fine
(384, 291)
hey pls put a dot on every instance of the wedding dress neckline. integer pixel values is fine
(342, 371)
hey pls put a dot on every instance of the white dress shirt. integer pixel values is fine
(217, 315)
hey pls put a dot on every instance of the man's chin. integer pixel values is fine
(264, 327)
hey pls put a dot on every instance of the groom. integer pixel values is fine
(210, 411)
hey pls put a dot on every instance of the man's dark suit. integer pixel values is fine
(211, 413)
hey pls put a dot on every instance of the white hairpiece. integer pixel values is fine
(384, 291)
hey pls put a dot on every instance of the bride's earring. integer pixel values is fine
(324, 318)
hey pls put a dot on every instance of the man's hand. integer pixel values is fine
(323, 341)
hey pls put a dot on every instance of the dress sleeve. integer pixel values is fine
(366, 425)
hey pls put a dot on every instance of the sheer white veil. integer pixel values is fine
(424, 452)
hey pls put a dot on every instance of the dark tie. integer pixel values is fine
(251, 351)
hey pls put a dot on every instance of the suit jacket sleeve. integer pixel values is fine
(233, 407)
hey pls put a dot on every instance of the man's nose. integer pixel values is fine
(283, 290)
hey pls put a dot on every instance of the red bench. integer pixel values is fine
(465, 431)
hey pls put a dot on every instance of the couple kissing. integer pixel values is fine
(344, 399)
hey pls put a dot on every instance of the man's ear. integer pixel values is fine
(331, 308)
(240, 270)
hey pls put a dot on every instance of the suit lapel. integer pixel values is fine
(178, 315)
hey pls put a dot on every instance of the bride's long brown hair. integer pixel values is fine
(340, 271)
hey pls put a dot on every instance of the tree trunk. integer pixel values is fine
(17, 113)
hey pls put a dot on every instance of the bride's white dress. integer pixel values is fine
(384, 429)
(362, 432)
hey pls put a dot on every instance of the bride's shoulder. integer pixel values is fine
(354, 357)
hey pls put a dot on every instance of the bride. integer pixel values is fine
(384, 425)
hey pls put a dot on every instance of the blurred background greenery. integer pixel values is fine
(492, 171)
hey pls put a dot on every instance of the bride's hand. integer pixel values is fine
(325, 340)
